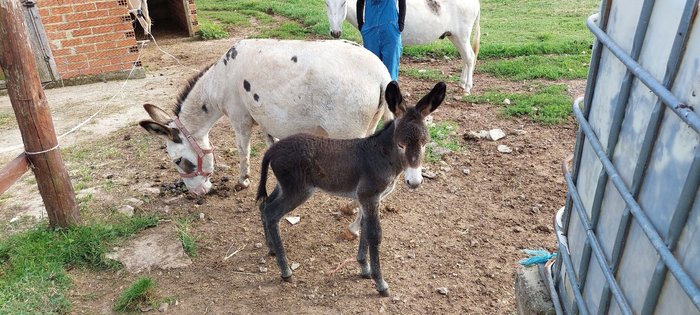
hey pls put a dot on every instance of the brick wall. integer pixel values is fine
(193, 17)
(89, 37)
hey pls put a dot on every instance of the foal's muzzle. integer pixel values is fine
(414, 177)
(336, 34)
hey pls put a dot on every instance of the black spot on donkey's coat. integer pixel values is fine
(256, 97)
(204, 108)
(294, 58)
(246, 85)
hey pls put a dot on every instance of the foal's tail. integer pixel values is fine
(262, 190)
(477, 35)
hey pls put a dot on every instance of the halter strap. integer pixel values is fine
(200, 152)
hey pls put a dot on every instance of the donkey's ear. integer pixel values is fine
(430, 102)
(394, 99)
(158, 129)
(156, 113)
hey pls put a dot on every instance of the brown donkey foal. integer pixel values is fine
(364, 169)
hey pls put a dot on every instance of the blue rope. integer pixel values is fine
(537, 256)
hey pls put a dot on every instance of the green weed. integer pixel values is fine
(442, 136)
(188, 240)
(210, 31)
(140, 293)
(547, 104)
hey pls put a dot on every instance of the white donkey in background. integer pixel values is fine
(139, 8)
(426, 21)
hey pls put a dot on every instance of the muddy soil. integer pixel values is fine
(462, 231)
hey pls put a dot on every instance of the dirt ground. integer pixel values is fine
(463, 230)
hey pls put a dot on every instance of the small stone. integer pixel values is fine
(146, 309)
(544, 229)
(518, 229)
(149, 191)
(241, 269)
(258, 245)
(262, 269)
(134, 202)
(262, 261)
(457, 98)
(473, 243)
(504, 148)
(446, 169)
(519, 132)
(126, 210)
(293, 219)
(295, 265)
(163, 307)
(172, 200)
(201, 215)
(466, 171)
(495, 134)
(442, 290)
(428, 174)
(506, 101)
(15, 219)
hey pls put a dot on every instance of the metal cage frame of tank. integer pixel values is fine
(584, 215)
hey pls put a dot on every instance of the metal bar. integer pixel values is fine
(680, 216)
(590, 90)
(684, 112)
(667, 257)
(616, 126)
(595, 245)
(546, 273)
(569, 267)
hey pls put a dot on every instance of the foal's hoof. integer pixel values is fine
(385, 293)
(348, 209)
(348, 235)
(287, 279)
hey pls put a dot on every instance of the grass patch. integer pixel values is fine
(33, 278)
(287, 30)
(188, 240)
(140, 293)
(551, 67)
(442, 136)
(428, 74)
(311, 14)
(548, 104)
(210, 31)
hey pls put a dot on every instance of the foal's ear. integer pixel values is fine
(156, 113)
(158, 129)
(394, 99)
(430, 102)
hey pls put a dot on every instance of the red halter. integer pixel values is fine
(200, 152)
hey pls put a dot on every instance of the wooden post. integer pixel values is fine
(34, 117)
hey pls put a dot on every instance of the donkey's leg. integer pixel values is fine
(268, 241)
(372, 231)
(365, 271)
(287, 200)
(461, 42)
(243, 127)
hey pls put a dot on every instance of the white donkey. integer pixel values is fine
(426, 21)
(326, 88)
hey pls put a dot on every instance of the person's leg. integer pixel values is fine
(391, 49)
(370, 40)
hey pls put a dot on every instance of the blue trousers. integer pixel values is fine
(384, 41)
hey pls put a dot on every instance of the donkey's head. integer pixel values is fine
(194, 163)
(337, 10)
(411, 133)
